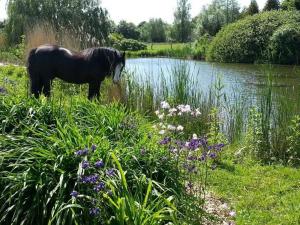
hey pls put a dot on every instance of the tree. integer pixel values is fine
(157, 30)
(253, 8)
(182, 21)
(128, 30)
(272, 5)
(290, 5)
(216, 15)
(83, 18)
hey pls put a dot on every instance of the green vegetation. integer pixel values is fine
(68, 160)
(260, 194)
(259, 38)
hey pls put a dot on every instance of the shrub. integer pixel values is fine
(285, 45)
(119, 42)
(248, 40)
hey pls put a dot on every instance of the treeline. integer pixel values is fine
(89, 23)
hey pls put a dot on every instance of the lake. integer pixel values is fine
(237, 79)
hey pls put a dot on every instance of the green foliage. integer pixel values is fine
(182, 28)
(128, 30)
(200, 47)
(272, 5)
(248, 40)
(253, 8)
(215, 16)
(156, 30)
(285, 45)
(259, 194)
(121, 43)
(93, 26)
(294, 142)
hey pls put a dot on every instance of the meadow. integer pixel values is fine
(132, 158)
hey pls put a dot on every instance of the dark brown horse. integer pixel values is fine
(89, 66)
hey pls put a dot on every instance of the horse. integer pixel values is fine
(91, 66)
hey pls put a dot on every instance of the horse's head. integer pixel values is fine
(118, 66)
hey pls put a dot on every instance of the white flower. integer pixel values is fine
(232, 213)
(187, 144)
(195, 136)
(179, 128)
(197, 112)
(172, 110)
(180, 113)
(162, 132)
(164, 105)
(154, 127)
(157, 112)
(160, 116)
(171, 127)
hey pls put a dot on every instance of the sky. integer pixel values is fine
(137, 11)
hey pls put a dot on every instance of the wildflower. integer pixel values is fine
(232, 213)
(93, 148)
(94, 211)
(99, 164)
(74, 194)
(110, 172)
(3, 90)
(157, 112)
(92, 179)
(172, 110)
(165, 141)
(99, 187)
(212, 155)
(171, 127)
(82, 152)
(85, 164)
(197, 112)
(202, 157)
(162, 132)
(195, 136)
(161, 116)
(164, 105)
(179, 128)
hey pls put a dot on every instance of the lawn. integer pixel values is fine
(259, 194)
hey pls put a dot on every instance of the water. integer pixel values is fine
(238, 79)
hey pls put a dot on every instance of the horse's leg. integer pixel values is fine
(35, 86)
(47, 87)
(94, 89)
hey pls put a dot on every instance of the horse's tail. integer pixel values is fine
(31, 61)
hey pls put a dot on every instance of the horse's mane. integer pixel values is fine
(98, 52)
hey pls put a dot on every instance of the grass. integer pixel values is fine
(259, 194)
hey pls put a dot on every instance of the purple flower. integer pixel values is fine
(194, 144)
(94, 211)
(202, 157)
(165, 141)
(111, 172)
(82, 152)
(99, 164)
(192, 158)
(93, 148)
(212, 155)
(92, 179)
(3, 90)
(99, 187)
(85, 164)
(74, 194)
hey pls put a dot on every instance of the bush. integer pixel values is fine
(249, 40)
(285, 45)
(120, 43)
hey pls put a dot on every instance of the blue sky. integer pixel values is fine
(139, 10)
